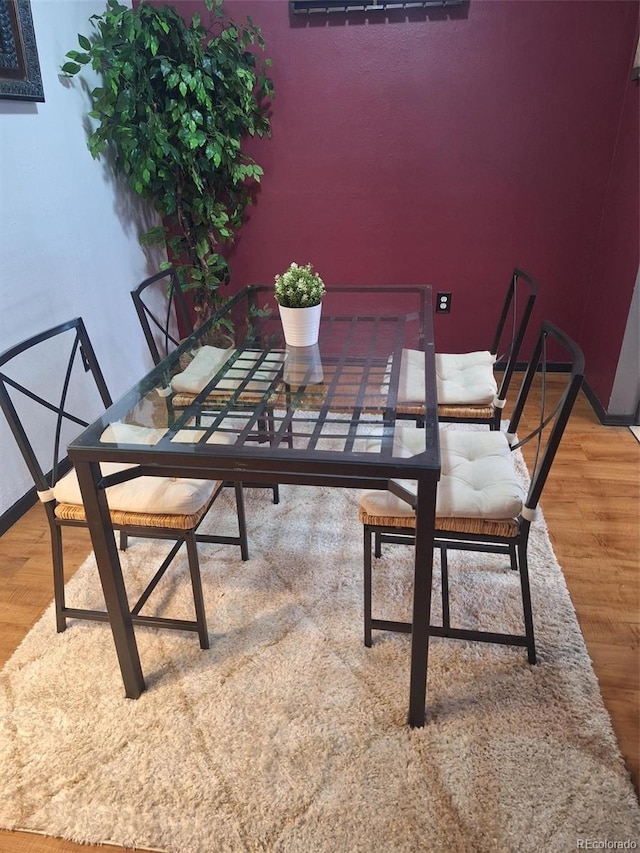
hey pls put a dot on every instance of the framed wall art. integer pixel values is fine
(308, 7)
(20, 77)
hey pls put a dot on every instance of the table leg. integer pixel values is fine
(110, 570)
(423, 576)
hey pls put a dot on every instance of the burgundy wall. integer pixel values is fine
(615, 263)
(448, 151)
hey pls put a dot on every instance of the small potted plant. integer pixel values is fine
(299, 293)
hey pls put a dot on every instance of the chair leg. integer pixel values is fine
(378, 541)
(444, 580)
(263, 430)
(270, 431)
(196, 584)
(496, 420)
(124, 540)
(242, 522)
(367, 586)
(58, 577)
(526, 602)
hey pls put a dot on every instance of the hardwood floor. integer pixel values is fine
(592, 507)
(591, 504)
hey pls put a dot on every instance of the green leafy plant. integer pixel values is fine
(299, 287)
(175, 103)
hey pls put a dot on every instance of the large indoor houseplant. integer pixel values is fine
(171, 112)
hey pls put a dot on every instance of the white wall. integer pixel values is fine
(68, 233)
(625, 395)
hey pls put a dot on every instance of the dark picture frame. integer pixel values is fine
(308, 7)
(20, 77)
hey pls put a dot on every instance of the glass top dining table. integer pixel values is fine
(233, 402)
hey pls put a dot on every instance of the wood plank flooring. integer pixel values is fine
(592, 507)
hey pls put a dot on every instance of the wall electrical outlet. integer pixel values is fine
(443, 303)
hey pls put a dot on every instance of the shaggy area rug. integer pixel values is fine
(288, 734)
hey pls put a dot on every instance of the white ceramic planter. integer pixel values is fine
(301, 325)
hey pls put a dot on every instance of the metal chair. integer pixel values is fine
(481, 504)
(467, 388)
(163, 314)
(153, 509)
(162, 310)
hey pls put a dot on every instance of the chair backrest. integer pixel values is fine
(162, 308)
(74, 384)
(512, 325)
(558, 392)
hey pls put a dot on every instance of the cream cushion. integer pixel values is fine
(465, 378)
(478, 479)
(149, 495)
(120, 433)
(205, 364)
(208, 361)
(461, 378)
(411, 386)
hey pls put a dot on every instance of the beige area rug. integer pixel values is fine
(290, 735)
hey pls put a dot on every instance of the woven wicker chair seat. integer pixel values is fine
(217, 399)
(478, 493)
(246, 381)
(508, 527)
(119, 518)
(475, 412)
(465, 383)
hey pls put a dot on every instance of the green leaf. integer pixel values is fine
(153, 236)
(172, 111)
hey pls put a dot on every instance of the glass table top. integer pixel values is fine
(234, 388)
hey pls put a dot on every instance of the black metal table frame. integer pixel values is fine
(258, 466)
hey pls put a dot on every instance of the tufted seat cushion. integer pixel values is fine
(461, 378)
(465, 378)
(478, 478)
(205, 364)
(208, 361)
(411, 387)
(148, 495)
